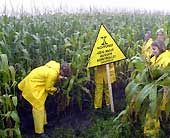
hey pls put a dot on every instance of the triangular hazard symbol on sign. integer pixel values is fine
(105, 49)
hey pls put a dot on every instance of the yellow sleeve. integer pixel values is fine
(164, 59)
(50, 82)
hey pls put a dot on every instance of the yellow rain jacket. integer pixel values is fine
(152, 126)
(147, 49)
(162, 60)
(102, 85)
(39, 82)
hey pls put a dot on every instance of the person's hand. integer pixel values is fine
(63, 78)
(58, 91)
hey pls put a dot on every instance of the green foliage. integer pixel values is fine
(9, 120)
(76, 54)
(63, 133)
(31, 41)
(147, 86)
(118, 126)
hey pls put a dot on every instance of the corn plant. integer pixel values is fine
(9, 120)
(146, 87)
(77, 55)
(31, 41)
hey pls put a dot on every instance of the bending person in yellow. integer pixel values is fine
(102, 85)
(37, 85)
(161, 57)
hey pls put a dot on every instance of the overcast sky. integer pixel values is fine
(73, 5)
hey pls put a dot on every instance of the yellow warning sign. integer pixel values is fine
(105, 49)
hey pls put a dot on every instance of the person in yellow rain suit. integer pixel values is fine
(147, 49)
(37, 85)
(161, 57)
(160, 34)
(102, 85)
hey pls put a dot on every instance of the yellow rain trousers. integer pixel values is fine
(40, 119)
(102, 85)
(147, 49)
(152, 126)
(35, 88)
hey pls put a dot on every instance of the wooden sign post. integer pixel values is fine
(110, 88)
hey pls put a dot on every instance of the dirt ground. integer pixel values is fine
(72, 119)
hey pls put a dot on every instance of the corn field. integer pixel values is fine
(27, 42)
